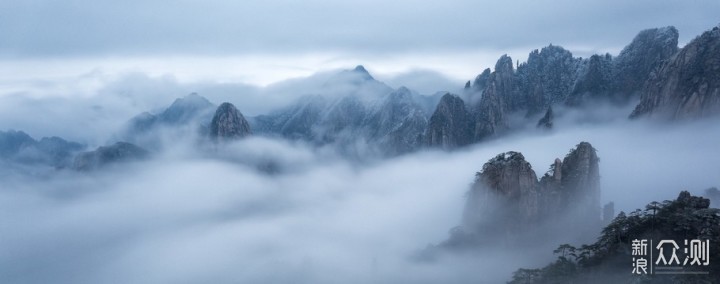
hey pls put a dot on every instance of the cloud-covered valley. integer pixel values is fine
(192, 215)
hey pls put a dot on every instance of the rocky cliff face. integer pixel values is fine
(573, 184)
(490, 114)
(580, 183)
(547, 78)
(635, 63)
(688, 85)
(228, 124)
(505, 189)
(450, 125)
(106, 155)
(508, 198)
(552, 76)
(473, 89)
(594, 80)
(546, 121)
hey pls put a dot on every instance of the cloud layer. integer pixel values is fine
(78, 28)
(189, 216)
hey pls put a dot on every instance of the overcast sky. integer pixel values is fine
(266, 41)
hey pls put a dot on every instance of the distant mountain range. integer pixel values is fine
(363, 117)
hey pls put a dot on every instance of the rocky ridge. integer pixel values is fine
(507, 199)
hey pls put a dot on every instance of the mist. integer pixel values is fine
(212, 214)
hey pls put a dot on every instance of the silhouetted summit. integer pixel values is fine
(228, 124)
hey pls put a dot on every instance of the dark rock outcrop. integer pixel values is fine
(507, 199)
(547, 120)
(573, 184)
(506, 189)
(106, 155)
(228, 124)
(688, 85)
(450, 125)
(580, 183)
(489, 115)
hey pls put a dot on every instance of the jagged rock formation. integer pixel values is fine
(553, 76)
(547, 120)
(508, 199)
(580, 182)
(17, 146)
(688, 86)
(594, 82)
(506, 189)
(473, 90)
(228, 124)
(106, 155)
(450, 125)
(547, 78)
(357, 113)
(490, 118)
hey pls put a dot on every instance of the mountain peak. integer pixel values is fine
(504, 65)
(184, 109)
(688, 84)
(228, 123)
(360, 70)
